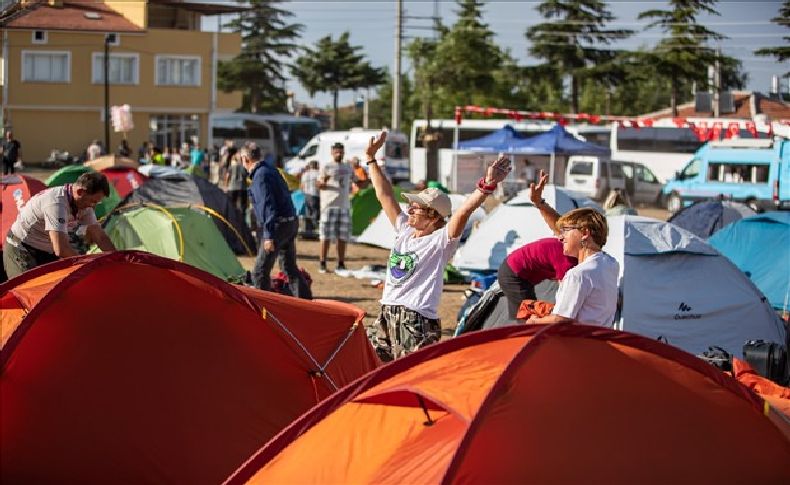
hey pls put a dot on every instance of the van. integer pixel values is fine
(753, 171)
(393, 156)
(596, 176)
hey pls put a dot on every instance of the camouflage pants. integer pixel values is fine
(400, 331)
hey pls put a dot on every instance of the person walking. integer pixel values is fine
(334, 182)
(39, 234)
(277, 226)
(312, 199)
(12, 152)
(425, 241)
(236, 181)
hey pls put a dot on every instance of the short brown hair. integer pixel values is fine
(93, 183)
(587, 218)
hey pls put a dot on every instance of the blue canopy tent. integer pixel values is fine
(555, 141)
(758, 246)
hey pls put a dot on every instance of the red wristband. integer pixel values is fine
(485, 188)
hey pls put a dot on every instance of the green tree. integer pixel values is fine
(571, 42)
(781, 53)
(464, 66)
(683, 55)
(335, 66)
(258, 71)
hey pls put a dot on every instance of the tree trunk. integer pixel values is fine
(335, 109)
(574, 94)
(673, 96)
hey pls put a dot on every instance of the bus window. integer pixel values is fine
(257, 131)
(755, 173)
(664, 140)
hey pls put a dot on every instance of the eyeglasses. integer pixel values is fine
(565, 229)
(415, 209)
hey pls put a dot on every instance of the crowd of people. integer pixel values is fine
(427, 235)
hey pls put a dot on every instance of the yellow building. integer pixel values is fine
(160, 64)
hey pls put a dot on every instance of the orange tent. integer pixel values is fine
(17, 189)
(534, 404)
(130, 367)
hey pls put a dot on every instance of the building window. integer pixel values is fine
(170, 131)
(39, 36)
(124, 68)
(177, 71)
(48, 67)
(113, 39)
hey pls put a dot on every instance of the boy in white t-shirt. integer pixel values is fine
(424, 243)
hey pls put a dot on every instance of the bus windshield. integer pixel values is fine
(295, 134)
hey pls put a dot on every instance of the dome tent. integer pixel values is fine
(130, 367)
(705, 217)
(677, 287)
(540, 404)
(186, 234)
(16, 191)
(184, 190)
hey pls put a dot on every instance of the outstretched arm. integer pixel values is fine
(546, 211)
(496, 172)
(382, 186)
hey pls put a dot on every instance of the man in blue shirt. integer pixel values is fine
(277, 225)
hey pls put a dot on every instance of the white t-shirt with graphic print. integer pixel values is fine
(415, 270)
(47, 211)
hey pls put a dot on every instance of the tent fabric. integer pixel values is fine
(512, 225)
(559, 141)
(112, 161)
(186, 234)
(70, 173)
(759, 247)
(124, 179)
(704, 218)
(381, 233)
(162, 171)
(505, 139)
(128, 367)
(777, 396)
(540, 404)
(365, 207)
(17, 190)
(675, 286)
(187, 190)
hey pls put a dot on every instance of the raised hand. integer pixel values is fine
(536, 190)
(498, 170)
(374, 144)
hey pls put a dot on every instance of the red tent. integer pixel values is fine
(130, 367)
(534, 404)
(125, 179)
(17, 189)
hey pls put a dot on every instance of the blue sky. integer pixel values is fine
(372, 26)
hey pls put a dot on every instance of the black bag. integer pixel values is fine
(768, 359)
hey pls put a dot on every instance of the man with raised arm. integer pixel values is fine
(425, 241)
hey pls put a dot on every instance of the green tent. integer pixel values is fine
(186, 234)
(70, 173)
(365, 207)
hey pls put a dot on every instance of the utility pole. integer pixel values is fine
(716, 84)
(396, 81)
(107, 93)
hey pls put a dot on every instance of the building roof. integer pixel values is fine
(77, 15)
(748, 104)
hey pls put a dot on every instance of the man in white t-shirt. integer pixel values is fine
(39, 234)
(425, 241)
(334, 182)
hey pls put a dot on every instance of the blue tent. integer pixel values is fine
(706, 217)
(505, 139)
(759, 247)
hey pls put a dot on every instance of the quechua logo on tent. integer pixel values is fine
(684, 313)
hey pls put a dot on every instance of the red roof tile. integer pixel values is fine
(69, 16)
(773, 108)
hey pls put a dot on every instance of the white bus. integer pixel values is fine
(456, 170)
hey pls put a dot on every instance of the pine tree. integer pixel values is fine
(335, 66)
(570, 42)
(684, 55)
(781, 53)
(267, 41)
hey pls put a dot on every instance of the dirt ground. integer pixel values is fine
(360, 292)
